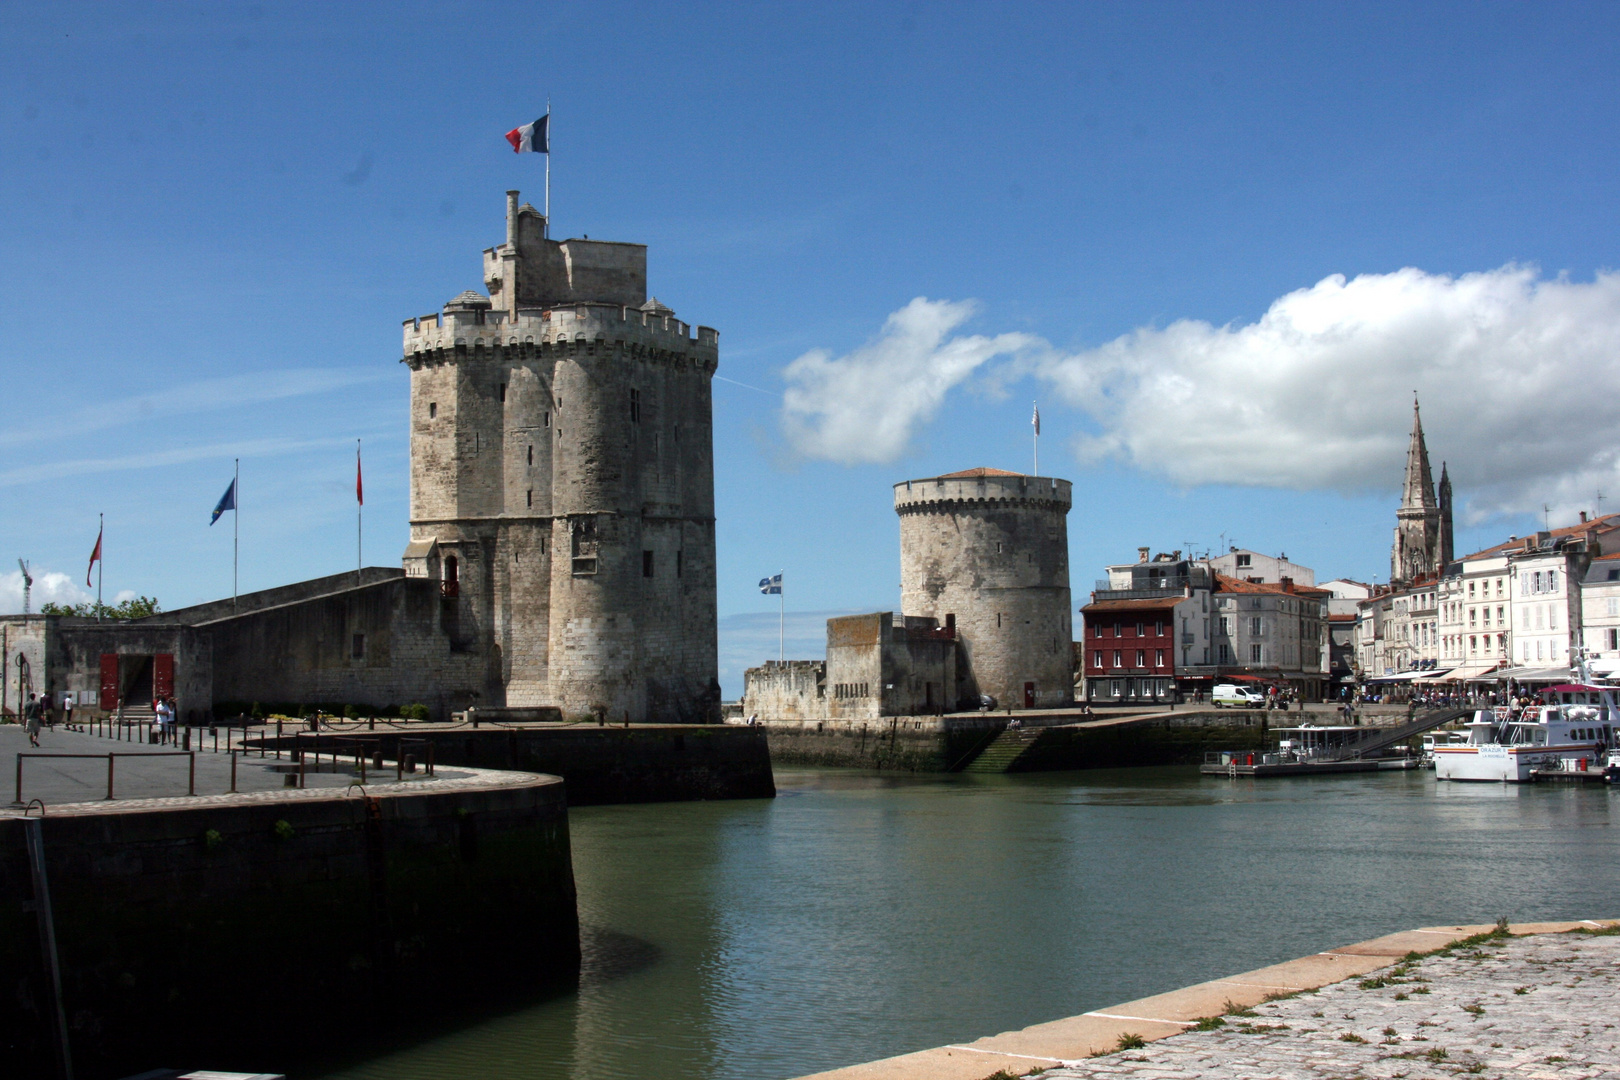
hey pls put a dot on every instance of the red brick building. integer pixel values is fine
(1130, 648)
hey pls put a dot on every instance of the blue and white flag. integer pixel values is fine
(771, 586)
(227, 501)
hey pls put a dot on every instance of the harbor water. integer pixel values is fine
(863, 915)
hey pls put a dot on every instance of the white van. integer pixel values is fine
(1239, 697)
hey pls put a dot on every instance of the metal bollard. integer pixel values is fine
(410, 763)
(233, 772)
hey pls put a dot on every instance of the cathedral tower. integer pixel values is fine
(562, 480)
(1417, 548)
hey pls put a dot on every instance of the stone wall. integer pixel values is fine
(22, 636)
(269, 930)
(786, 690)
(898, 743)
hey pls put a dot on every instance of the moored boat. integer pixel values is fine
(1572, 727)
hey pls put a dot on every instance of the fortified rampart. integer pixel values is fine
(990, 551)
(184, 926)
(562, 480)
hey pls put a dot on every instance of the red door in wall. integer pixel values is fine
(109, 682)
(1029, 695)
(163, 676)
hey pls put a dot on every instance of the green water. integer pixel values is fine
(859, 916)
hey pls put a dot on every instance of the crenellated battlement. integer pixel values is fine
(941, 491)
(558, 330)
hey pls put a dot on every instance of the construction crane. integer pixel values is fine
(28, 585)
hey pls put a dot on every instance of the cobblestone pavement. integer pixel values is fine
(1541, 1006)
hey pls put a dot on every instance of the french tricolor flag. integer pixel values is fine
(531, 138)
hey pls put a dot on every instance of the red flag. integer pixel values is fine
(95, 557)
(359, 490)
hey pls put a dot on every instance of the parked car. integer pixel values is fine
(1239, 697)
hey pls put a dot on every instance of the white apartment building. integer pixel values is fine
(1475, 613)
(1252, 566)
(1546, 600)
(1600, 610)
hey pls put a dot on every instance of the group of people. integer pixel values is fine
(38, 714)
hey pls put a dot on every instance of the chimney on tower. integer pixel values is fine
(511, 218)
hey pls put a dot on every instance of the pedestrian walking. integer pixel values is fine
(67, 709)
(31, 713)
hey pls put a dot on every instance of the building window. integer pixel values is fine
(529, 497)
(357, 647)
(531, 455)
(503, 391)
(1118, 659)
(1097, 657)
(1158, 628)
(646, 564)
(1254, 654)
(1158, 658)
(1255, 627)
(1141, 630)
(1613, 636)
(433, 409)
(1141, 658)
(1244, 560)
(545, 419)
(635, 406)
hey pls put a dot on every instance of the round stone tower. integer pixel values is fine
(989, 550)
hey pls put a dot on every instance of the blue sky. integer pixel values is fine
(217, 216)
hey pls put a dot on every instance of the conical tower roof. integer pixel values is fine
(1418, 491)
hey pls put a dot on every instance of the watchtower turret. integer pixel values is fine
(989, 550)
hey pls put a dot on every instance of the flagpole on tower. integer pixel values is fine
(1036, 421)
(359, 514)
(101, 529)
(236, 530)
(781, 620)
(548, 166)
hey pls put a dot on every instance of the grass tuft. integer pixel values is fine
(1129, 1041)
(1210, 1023)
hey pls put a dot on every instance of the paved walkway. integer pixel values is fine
(1541, 1006)
(74, 780)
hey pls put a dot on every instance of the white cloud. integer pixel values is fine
(50, 587)
(1518, 375)
(865, 407)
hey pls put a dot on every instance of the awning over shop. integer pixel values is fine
(1410, 676)
(1530, 674)
(1468, 672)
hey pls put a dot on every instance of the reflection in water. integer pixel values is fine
(865, 915)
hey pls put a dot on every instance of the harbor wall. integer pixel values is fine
(248, 929)
(603, 765)
(897, 743)
(1166, 739)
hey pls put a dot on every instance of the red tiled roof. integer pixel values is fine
(977, 472)
(1341, 618)
(1238, 585)
(1606, 523)
(1135, 605)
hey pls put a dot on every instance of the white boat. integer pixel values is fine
(1572, 728)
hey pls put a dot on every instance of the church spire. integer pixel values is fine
(1418, 491)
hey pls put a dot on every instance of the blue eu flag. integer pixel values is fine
(227, 501)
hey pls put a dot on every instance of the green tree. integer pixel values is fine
(139, 608)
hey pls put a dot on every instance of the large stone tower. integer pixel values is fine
(1423, 522)
(989, 550)
(562, 480)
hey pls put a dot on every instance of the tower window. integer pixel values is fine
(635, 406)
(433, 409)
(529, 496)
(531, 455)
(545, 420)
(503, 391)
(646, 564)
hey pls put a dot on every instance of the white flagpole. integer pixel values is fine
(101, 532)
(360, 509)
(548, 166)
(1037, 438)
(236, 530)
(781, 620)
